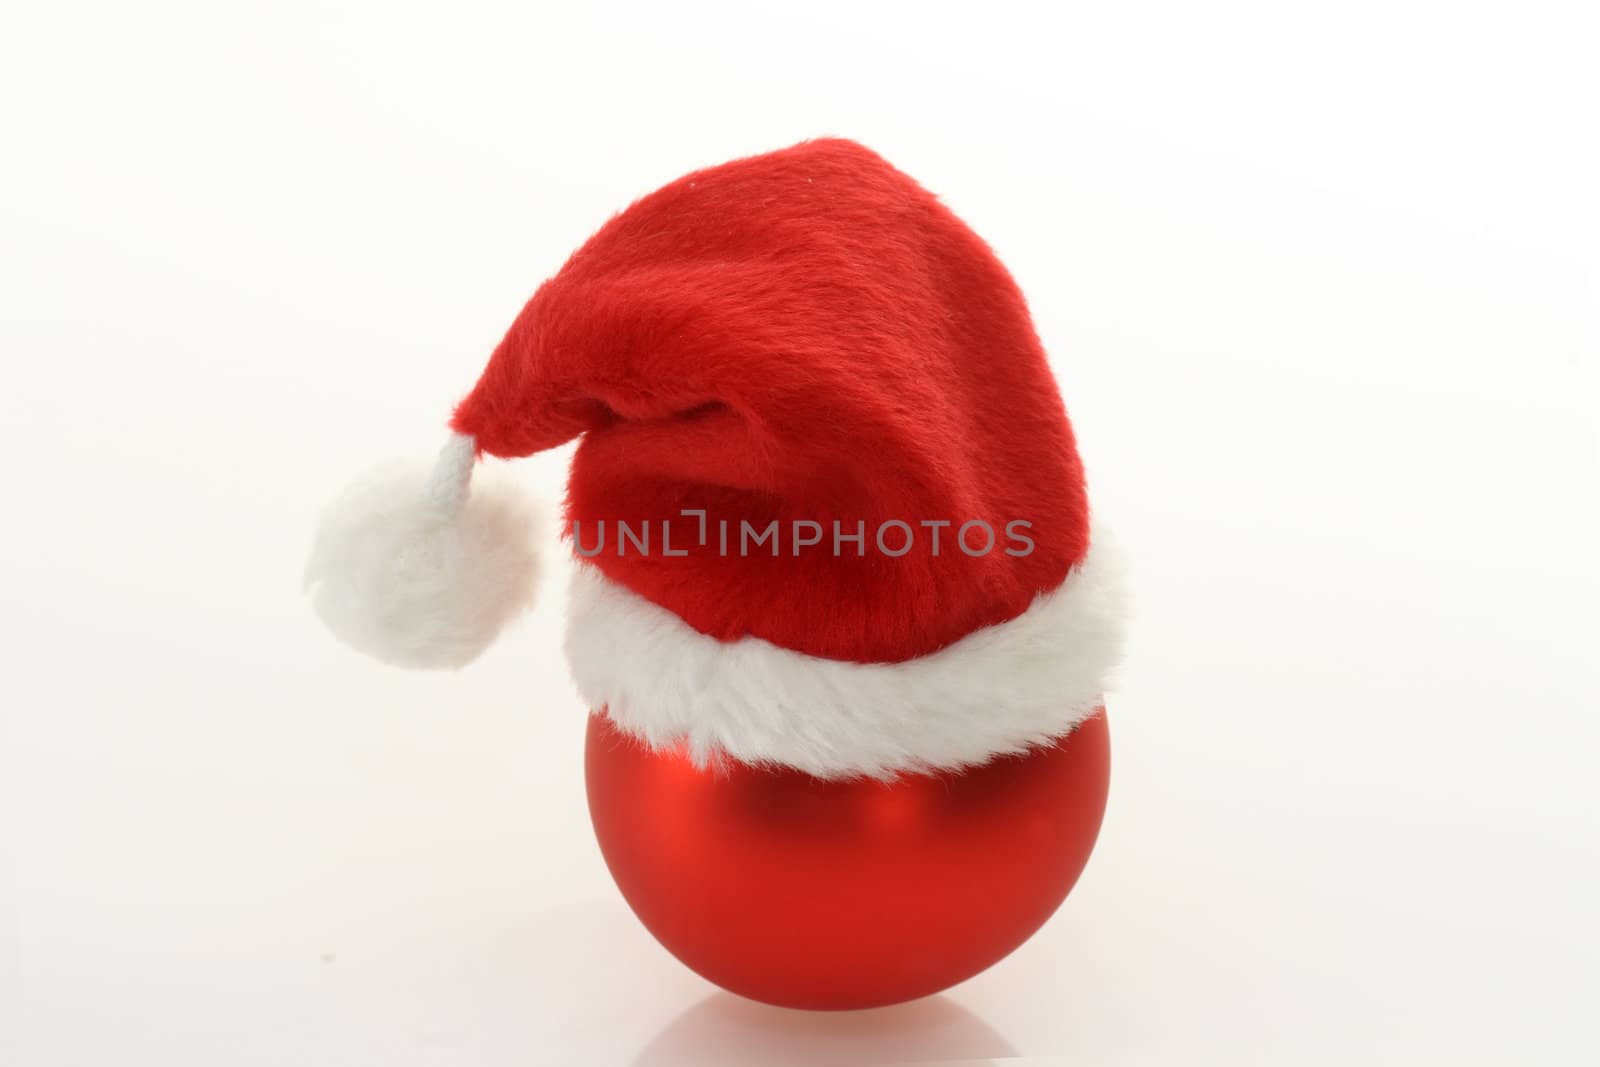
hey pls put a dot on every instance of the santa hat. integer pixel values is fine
(827, 511)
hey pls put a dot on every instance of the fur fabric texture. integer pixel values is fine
(999, 690)
(806, 335)
(803, 338)
(414, 567)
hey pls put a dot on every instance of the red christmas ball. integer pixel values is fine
(808, 893)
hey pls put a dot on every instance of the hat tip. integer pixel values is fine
(417, 567)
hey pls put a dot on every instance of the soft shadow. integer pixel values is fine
(724, 1028)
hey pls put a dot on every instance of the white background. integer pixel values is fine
(1319, 289)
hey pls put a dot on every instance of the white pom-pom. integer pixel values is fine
(416, 567)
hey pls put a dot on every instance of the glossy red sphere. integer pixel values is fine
(831, 895)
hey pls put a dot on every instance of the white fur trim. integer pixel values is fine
(416, 566)
(999, 690)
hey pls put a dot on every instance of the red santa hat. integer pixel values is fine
(827, 510)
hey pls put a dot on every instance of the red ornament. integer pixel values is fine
(808, 893)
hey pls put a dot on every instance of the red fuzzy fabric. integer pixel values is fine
(802, 335)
